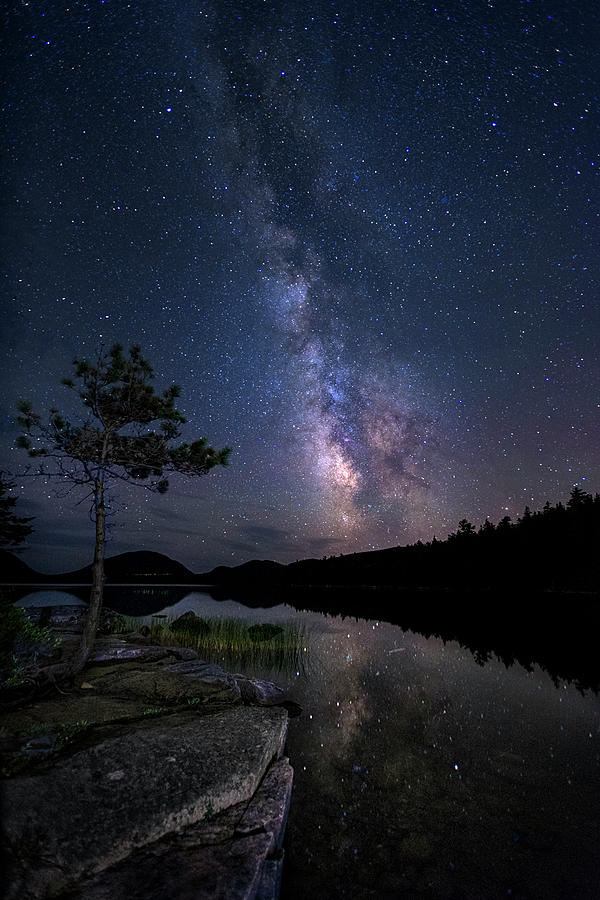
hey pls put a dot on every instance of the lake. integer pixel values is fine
(421, 773)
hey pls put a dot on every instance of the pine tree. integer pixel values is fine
(578, 498)
(125, 435)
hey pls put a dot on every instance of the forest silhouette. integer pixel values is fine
(552, 549)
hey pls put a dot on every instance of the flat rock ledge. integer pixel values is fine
(235, 854)
(176, 788)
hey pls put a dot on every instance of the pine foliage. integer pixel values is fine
(115, 439)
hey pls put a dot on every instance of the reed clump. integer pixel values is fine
(230, 641)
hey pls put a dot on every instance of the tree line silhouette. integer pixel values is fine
(555, 548)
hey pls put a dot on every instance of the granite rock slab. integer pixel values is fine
(235, 855)
(94, 808)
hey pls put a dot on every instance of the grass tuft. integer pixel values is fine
(229, 641)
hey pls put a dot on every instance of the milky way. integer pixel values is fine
(354, 436)
(362, 237)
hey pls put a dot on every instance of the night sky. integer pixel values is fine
(362, 237)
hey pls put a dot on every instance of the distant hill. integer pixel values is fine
(263, 570)
(140, 566)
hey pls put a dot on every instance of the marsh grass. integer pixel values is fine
(231, 642)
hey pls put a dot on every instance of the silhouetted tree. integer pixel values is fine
(578, 498)
(114, 442)
(465, 530)
(14, 530)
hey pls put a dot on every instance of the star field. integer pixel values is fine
(362, 237)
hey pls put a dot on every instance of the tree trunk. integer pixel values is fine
(92, 618)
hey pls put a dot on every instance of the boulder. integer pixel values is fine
(190, 623)
(95, 807)
(265, 693)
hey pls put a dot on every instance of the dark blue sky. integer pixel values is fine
(363, 237)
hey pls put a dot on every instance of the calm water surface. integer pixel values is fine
(419, 773)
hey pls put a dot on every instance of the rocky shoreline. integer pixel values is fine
(158, 775)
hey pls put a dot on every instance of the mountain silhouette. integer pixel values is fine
(136, 567)
(553, 549)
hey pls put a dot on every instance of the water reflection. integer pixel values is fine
(423, 774)
(48, 598)
(203, 603)
(142, 600)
